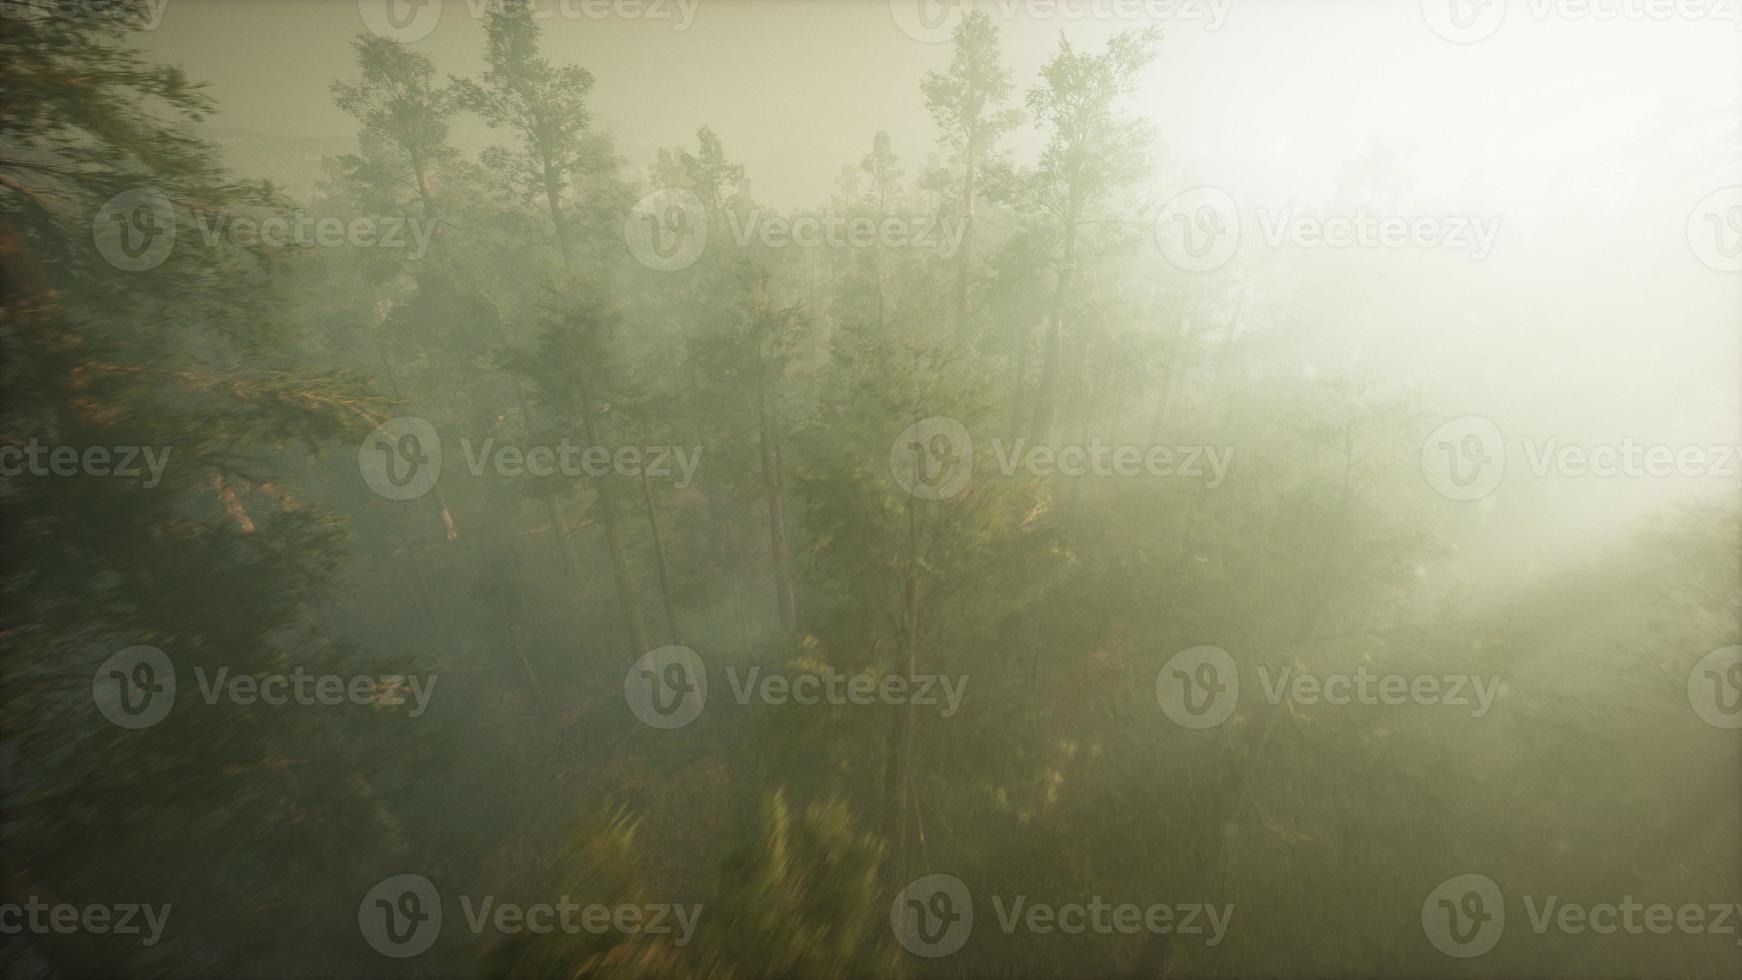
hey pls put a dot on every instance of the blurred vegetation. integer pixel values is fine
(793, 370)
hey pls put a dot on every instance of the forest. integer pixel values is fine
(501, 541)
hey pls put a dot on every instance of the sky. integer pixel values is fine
(1591, 127)
(1270, 93)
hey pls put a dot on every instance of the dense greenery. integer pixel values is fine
(535, 316)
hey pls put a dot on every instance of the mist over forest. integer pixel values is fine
(880, 488)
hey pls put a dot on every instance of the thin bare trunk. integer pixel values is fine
(785, 605)
(659, 562)
(1045, 406)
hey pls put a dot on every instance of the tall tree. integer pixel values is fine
(1091, 151)
(964, 103)
(544, 106)
(403, 113)
(884, 170)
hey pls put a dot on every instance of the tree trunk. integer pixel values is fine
(1020, 378)
(784, 603)
(967, 243)
(613, 527)
(553, 201)
(898, 755)
(1045, 404)
(660, 563)
(552, 506)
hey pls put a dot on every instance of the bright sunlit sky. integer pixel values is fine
(1278, 96)
(1592, 137)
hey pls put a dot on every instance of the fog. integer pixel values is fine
(608, 488)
